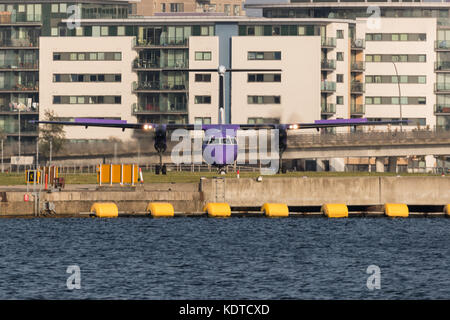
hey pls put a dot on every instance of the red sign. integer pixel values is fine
(26, 197)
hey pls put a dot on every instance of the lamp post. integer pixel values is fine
(19, 133)
(399, 97)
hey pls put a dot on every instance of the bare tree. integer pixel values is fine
(53, 135)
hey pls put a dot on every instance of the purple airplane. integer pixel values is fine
(219, 146)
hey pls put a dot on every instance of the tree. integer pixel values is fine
(53, 134)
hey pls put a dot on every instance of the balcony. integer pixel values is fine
(157, 86)
(19, 43)
(328, 108)
(442, 66)
(19, 88)
(328, 65)
(357, 109)
(14, 108)
(357, 87)
(162, 107)
(328, 42)
(328, 86)
(161, 42)
(442, 109)
(144, 64)
(358, 66)
(442, 45)
(442, 87)
(18, 65)
(358, 44)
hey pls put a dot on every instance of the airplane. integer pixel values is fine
(221, 138)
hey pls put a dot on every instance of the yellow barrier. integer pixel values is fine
(117, 174)
(30, 175)
(447, 209)
(105, 210)
(218, 209)
(275, 210)
(396, 210)
(335, 210)
(160, 209)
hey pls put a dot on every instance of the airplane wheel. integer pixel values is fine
(157, 169)
(223, 171)
(164, 169)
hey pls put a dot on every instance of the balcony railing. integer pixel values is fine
(328, 108)
(15, 108)
(442, 109)
(162, 107)
(328, 64)
(328, 86)
(19, 87)
(328, 42)
(442, 65)
(357, 109)
(442, 87)
(19, 43)
(157, 86)
(159, 64)
(161, 42)
(442, 44)
(357, 87)
(17, 64)
(358, 66)
(358, 44)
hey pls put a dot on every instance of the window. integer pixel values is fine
(339, 100)
(56, 56)
(87, 99)
(55, 8)
(264, 77)
(263, 99)
(264, 55)
(202, 120)
(163, 7)
(340, 34)
(203, 55)
(54, 32)
(202, 77)
(340, 78)
(339, 56)
(202, 100)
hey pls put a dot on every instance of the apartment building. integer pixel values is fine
(162, 7)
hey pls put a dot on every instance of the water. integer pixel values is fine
(235, 258)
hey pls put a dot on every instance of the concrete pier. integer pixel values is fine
(190, 198)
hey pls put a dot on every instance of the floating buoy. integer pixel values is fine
(396, 210)
(105, 210)
(160, 209)
(275, 210)
(217, 209)
(335, 210)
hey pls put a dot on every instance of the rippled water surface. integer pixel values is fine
(235, 258)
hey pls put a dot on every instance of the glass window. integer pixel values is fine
(95, 31)
(55, 8)
(81, 56)
(104, 31)
(340, 34)
(100, 56)
(117, 56)
(93, 56)
(121, 31)
(72, 100)
(73, 57)
(54, 32)
(422, 79)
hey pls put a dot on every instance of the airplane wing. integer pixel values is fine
(320, 124)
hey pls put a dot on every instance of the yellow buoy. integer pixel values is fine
(105, 210)
(218, 209)
(396, 210)
(335, 210)
(447, 209)
(160, 209)
(275, 210)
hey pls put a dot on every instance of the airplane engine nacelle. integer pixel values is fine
(160, 138)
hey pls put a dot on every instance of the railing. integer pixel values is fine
(146, 64)
(442, 65)
(328, 86)
(328, 64)
(442, 44)
(328, 108)
(10, 18)
(358, 44)
(442, 108)
(17, 64)
(14, 107)
(19, 87)
(158, 108)
(161, 42)
(357, 87)
(442, 86)
(357, 109)
(358, 66)
(328, 42)
(19, 43)
(157, 85)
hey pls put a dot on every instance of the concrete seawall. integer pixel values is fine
(191, 197)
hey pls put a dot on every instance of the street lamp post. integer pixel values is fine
(19, 134)
(399, 97)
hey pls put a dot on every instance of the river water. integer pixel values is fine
(234, 258)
